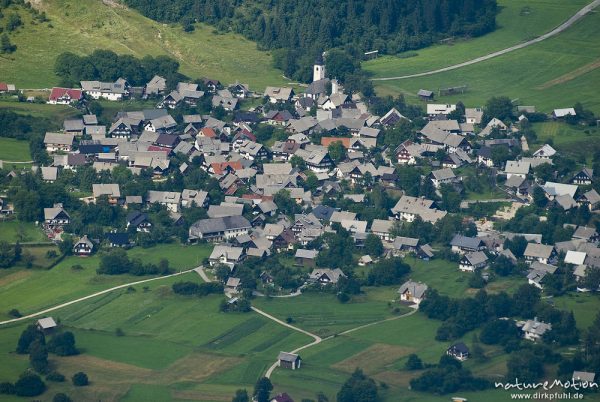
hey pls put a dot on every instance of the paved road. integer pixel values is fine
(48, 310)
(580, 14)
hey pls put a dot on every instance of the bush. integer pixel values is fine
(63, 344)
(80, 379)
(119, 332)
(7, 388)
(413, 363)
(61, 398)
(15, 313)
(55, 376)
(29, 385)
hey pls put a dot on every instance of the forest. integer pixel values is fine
(300, 29)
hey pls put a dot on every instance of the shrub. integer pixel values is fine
(15, 313)
(80, 379)
(61, 398)
(55, 376)
(7, 388)
(29, 385)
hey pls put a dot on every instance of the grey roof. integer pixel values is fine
(466, 242)
(334, 275)
(584, 232)
(111, 190)
(213, 225)
(163, 197)
(85, 240)
(517, 167)
(536, 327)
(116, 87)
(584, 376)
(538, 250)
(73, 125)
(46, 323)
(58, 139)
(400, 242)
(476, 258)
(231, 253)
(287, 357)
(49, 173)
(309, 254)
(225, 209)
(417, 289)
(443, 174)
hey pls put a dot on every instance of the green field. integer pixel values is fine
(554, 73)
(32, 290)
(109, 25)
(578, 142)
(13, 231)
(12, 150)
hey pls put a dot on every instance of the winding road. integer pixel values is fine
(576, 17)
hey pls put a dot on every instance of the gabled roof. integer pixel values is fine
(57, 93)
(535, 250)
(417, 289)
(59, 139)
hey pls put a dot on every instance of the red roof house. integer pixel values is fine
(65, 96)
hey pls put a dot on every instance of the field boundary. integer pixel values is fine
(562, 27)
(571, 75)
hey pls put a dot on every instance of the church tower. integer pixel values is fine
(319, 68)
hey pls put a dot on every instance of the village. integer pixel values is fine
(327, 173)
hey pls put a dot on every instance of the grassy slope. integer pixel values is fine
(14, 150)
(80, 26)
(524, 74)
(514, 23)
(32, 290)
(575, 141)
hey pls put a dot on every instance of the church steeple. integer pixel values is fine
(319, 68)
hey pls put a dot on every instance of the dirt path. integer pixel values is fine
(580, 14)
(48, 310)
(571, 75)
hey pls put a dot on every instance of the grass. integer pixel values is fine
(12, 150)
(34, 290)
(110, 25)
(575, 141)
(548, 74)
(585, 307)
(323, 315)
(518, 21)
(57, 113)
(12, 231)
(442, 275)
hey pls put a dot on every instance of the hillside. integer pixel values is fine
(554, 73)
(81, 26)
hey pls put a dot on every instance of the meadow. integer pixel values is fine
(581, 143)
(110, 25)
(13, 150)
(30, 290)
(13, 231)
(555, 73)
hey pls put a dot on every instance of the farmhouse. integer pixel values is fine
(539, 252)
(326, 275)
(473, 261)
(533, 330)
(139, 221)
(226, 255)
(58, 142)
(65, 96)
(459, 351)
(111, 191)
(83, 246)
(56, 216)
(113, 91)
(46, 324)
(463, 244)
(412, 292)
(218, 229)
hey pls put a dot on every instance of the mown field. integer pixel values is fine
(12, 150)
(109, 25)
(30, 290)
(555, 73)
(581, 143)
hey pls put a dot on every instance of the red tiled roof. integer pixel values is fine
(75, 94)
(156, 148)
(326, 141)
(3, 86)
(208, 132)
(219, 168)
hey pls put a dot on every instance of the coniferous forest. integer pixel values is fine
(299, 29)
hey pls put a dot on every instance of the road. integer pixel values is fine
(48, 310)
(565, 25)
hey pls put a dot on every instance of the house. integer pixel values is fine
(442, 176)
(590, 199)
(584, 177)
(56, 217)
(554, 190)
(473, 261)
(459, 351)
(58, 142)
(289, 360)
(473, 115)
(117, 239)
(463, 244)
(436, 109)
(382, 229)
(226, 255)
(562, 113)
(74, 126)
(218, 229)
(233, 285)
(425, 252)
(169, 199)
(517, 168)
(404, 244)
(326, 275)
(83, 246)
(589, 234)
(408, 208)
(534, 329)
(279, 95)
(412, 292)
(156, 86)
(49, 173)
(111, 191)
(546, 152)
(306, 258)
(540, 253)
(139, 221)
(46, 324)
(365, 260)
(112, 91)
(65, 96)
(194, 198)
(391, 118)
